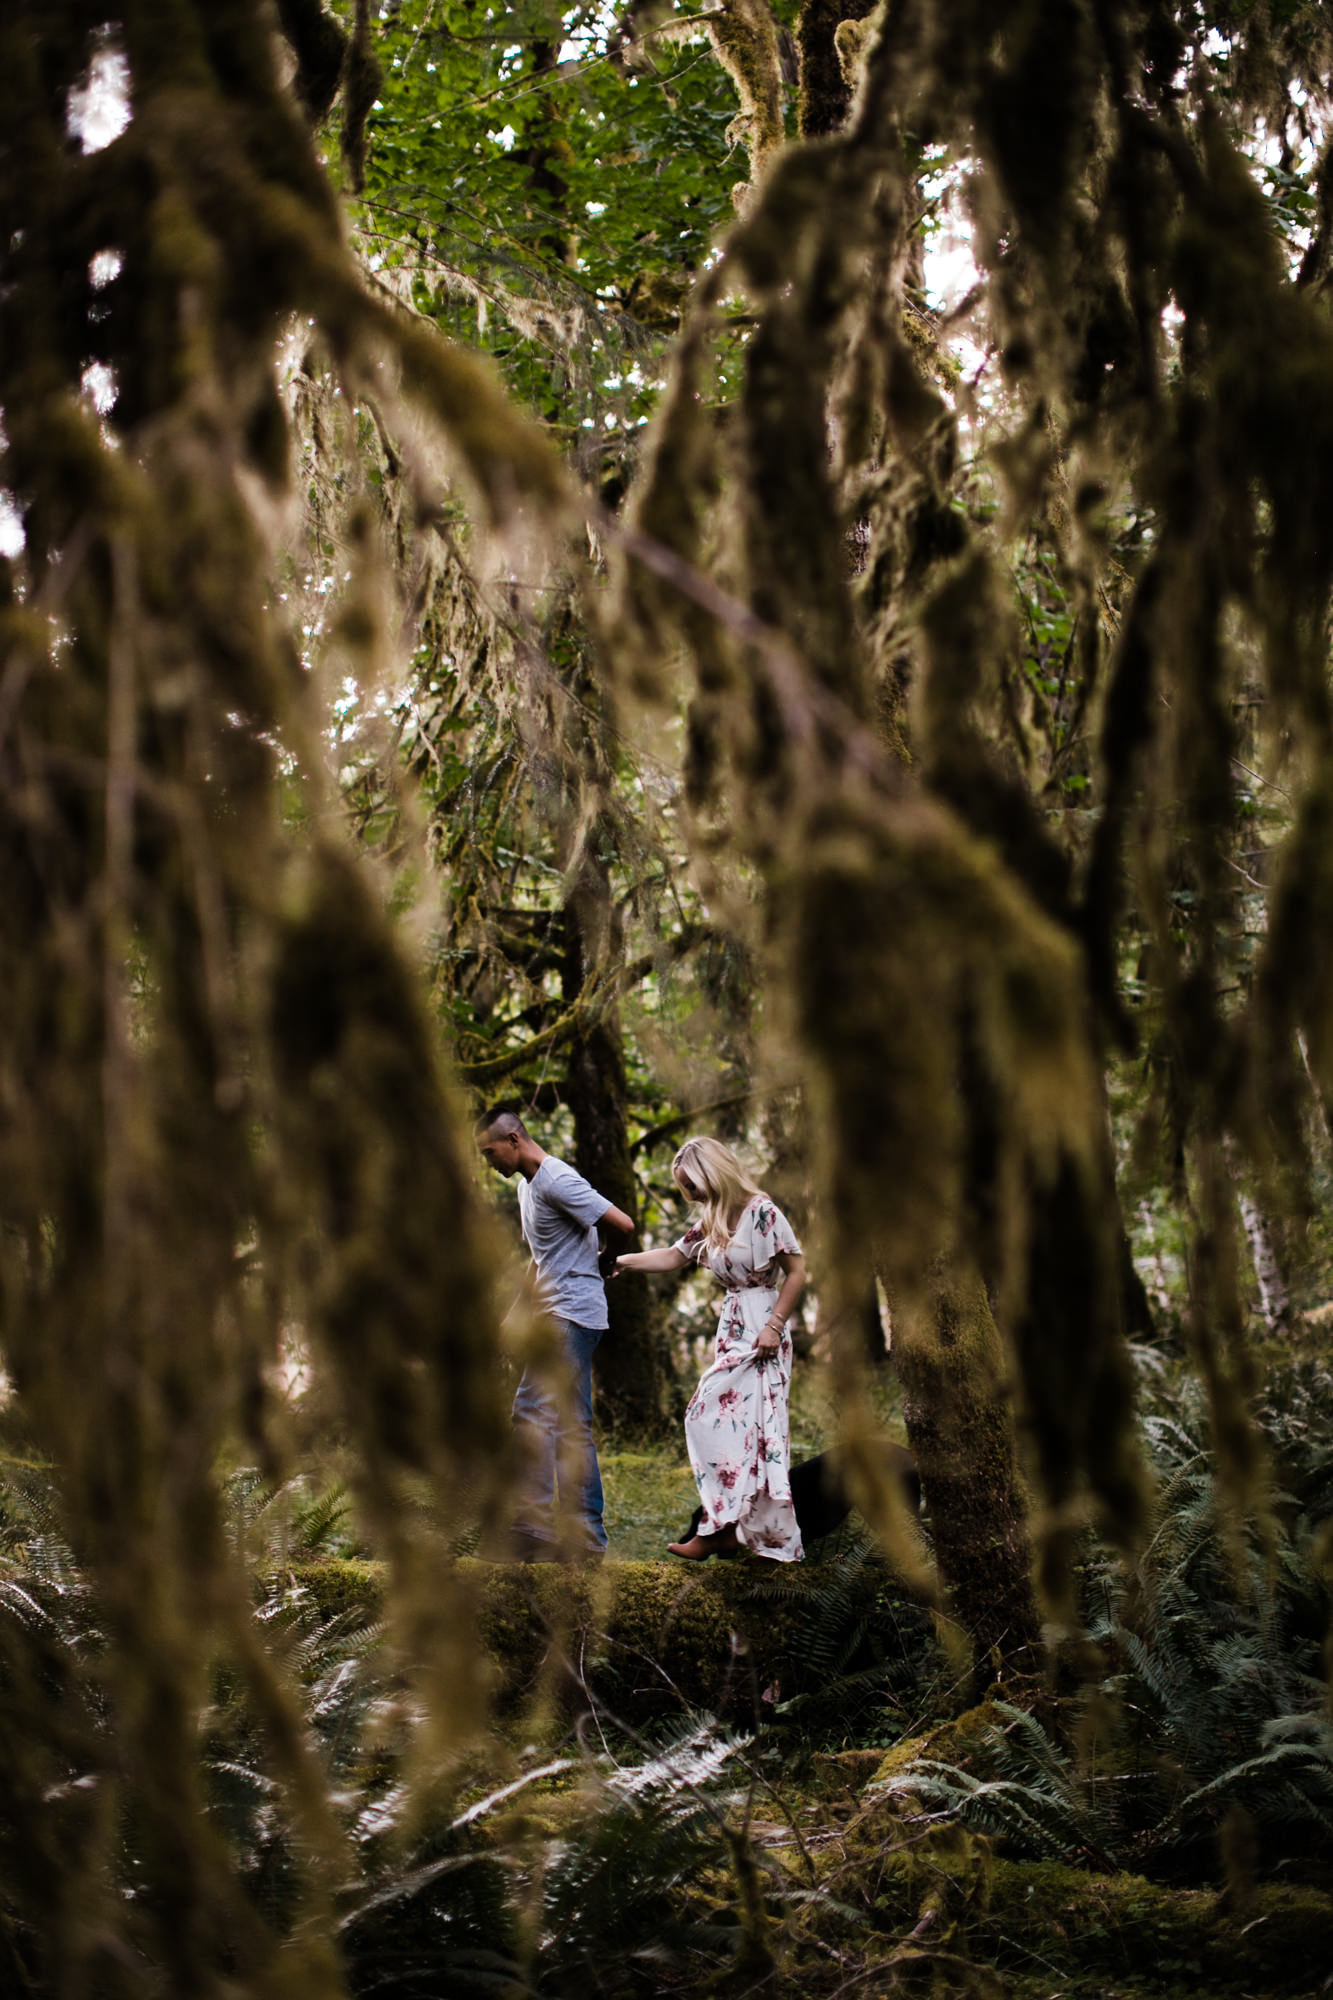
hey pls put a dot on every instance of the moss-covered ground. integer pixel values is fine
(650, 1495)
(833, 1678)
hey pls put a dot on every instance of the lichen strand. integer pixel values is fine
(319, 45)
(960, 1164)
(176, 982)
(361, 80)
(348, 1031)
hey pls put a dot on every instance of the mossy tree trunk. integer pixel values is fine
(961, 1426)
(628, 1370)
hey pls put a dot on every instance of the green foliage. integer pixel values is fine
(1212, 1692)
(495, 1883)
(544, 182)
(1029, 1797)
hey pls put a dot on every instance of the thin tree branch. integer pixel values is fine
(670, 1126)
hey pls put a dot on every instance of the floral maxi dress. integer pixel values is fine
(736, 1425)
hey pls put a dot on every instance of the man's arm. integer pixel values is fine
(583, 1204)
(610, 1218)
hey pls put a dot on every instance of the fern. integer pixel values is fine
(1286, 1788)
(858, 1646)
(605, 1905)
(321, 1522)
(609, 1898)
(1298, 1426)
(1037, 1824)
(1028, 1797)
(1214, 1644)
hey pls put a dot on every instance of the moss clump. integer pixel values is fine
(1126, 1927)
(951, 1743)
(343, 1587)
(1133, 1935)
(841, 1771)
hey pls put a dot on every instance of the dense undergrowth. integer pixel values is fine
(1155, 1817)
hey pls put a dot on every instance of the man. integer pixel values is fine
(561, 1216)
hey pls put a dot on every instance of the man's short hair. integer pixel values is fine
(502, 1118)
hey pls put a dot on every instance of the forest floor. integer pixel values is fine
(950, 1909)
(750, 1778)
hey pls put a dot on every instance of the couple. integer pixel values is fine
(736, 1424)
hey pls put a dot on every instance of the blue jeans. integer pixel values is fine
(560, 1441)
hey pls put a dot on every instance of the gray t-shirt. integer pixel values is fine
(559, 1211)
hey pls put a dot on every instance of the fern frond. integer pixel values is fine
(320, 1522)
(1038, 1822)
(1289, 1782)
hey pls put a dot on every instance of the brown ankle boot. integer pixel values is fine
(700, 1547)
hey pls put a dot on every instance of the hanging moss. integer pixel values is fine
(745, 37)
(224, 1106)
(361, 80)
(223, 1109)
(1095, 211)
(826, 97)
(319, 45)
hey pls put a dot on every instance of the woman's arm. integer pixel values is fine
(669, 1259)
(792, 1286)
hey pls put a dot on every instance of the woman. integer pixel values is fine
(736, 1425)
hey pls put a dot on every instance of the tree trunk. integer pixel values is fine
(1138, 1305)
(627, 1371)
(960, 1425)
(1274, 1301)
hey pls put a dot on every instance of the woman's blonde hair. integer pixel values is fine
(708, 1172)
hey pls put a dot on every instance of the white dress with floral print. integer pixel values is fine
(736, 1425)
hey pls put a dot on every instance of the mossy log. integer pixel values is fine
(641, 1638)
